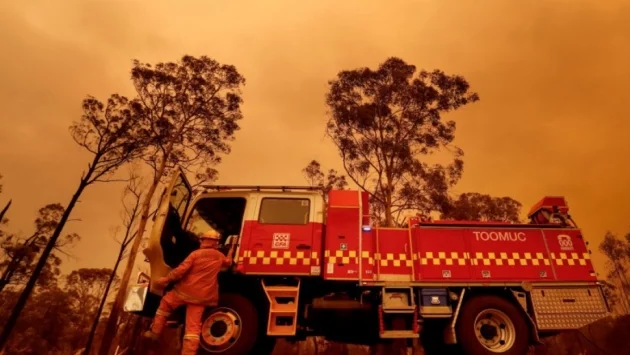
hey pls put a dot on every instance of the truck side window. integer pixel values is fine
(284, 211)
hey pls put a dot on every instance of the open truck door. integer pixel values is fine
(169, 244)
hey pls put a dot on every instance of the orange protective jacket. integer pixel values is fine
(197, 275)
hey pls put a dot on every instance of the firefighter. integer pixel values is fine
(196, 286)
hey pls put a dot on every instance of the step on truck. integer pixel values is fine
(309, 266)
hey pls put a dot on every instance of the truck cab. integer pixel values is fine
(266, 222)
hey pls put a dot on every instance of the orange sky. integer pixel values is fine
(552, 76)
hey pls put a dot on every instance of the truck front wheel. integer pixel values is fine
(491, 325)
(231, 328)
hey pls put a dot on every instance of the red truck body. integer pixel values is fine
(349, 249)
(305, 265)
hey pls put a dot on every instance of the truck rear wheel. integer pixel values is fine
(231, 328)
(491, 325)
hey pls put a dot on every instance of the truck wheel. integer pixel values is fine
(231, 328)
(492, 325)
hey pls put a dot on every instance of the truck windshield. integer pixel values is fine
(224, 214)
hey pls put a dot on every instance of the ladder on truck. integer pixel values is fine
(398, 313)
(283, 309)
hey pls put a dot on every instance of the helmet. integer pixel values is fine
(210, 234)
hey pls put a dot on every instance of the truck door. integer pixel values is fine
(281, 239)
(168, 244)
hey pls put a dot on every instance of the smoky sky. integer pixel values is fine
(552, 77)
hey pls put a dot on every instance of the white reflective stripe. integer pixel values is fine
(191, 336)
(163, 313)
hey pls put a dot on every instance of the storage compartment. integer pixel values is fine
(433, 296)
(562, 308)
(398, 300)
(434, 303)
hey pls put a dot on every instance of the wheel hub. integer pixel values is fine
(495, 330)
(488, 331)
(220, 330)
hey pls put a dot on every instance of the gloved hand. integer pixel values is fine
(161, 282)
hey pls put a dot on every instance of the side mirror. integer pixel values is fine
(143, 278)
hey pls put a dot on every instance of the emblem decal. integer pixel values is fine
(565, 242)
(281, 241)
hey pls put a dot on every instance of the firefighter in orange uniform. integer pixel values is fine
(197, 287)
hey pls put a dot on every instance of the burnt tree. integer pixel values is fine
(111, 134)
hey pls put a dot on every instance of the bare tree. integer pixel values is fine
(5, 208)
(207, 176)
(87, 287)
(131, 198)
(4, 211)
(111, 133)
(315, 177)
(20, 253)
(617, 252)
(190, 110)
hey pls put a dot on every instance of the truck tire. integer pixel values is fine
(232, 328)
(490, 325)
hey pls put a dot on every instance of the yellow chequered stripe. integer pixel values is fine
(509, 259)
(485, 259)
(570, 259)
(367, 256)
(393, 259)
(341, 256)
(443, 258)
(276, 257)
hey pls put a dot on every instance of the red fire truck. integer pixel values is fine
(305, 267)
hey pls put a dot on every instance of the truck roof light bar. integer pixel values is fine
(260, 188)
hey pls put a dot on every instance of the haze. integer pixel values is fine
(552, 76)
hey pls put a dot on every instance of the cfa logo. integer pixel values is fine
(281, 241)
(565, 242)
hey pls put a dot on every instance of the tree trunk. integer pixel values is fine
(14, 264)
(7, 274)
(624, 286)
(97, 317)
(15, 312)
(110, 329)
(4, 210)
(389, 217)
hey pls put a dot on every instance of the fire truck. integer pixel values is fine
(306, 264)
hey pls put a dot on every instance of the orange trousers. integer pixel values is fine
(194, 312)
